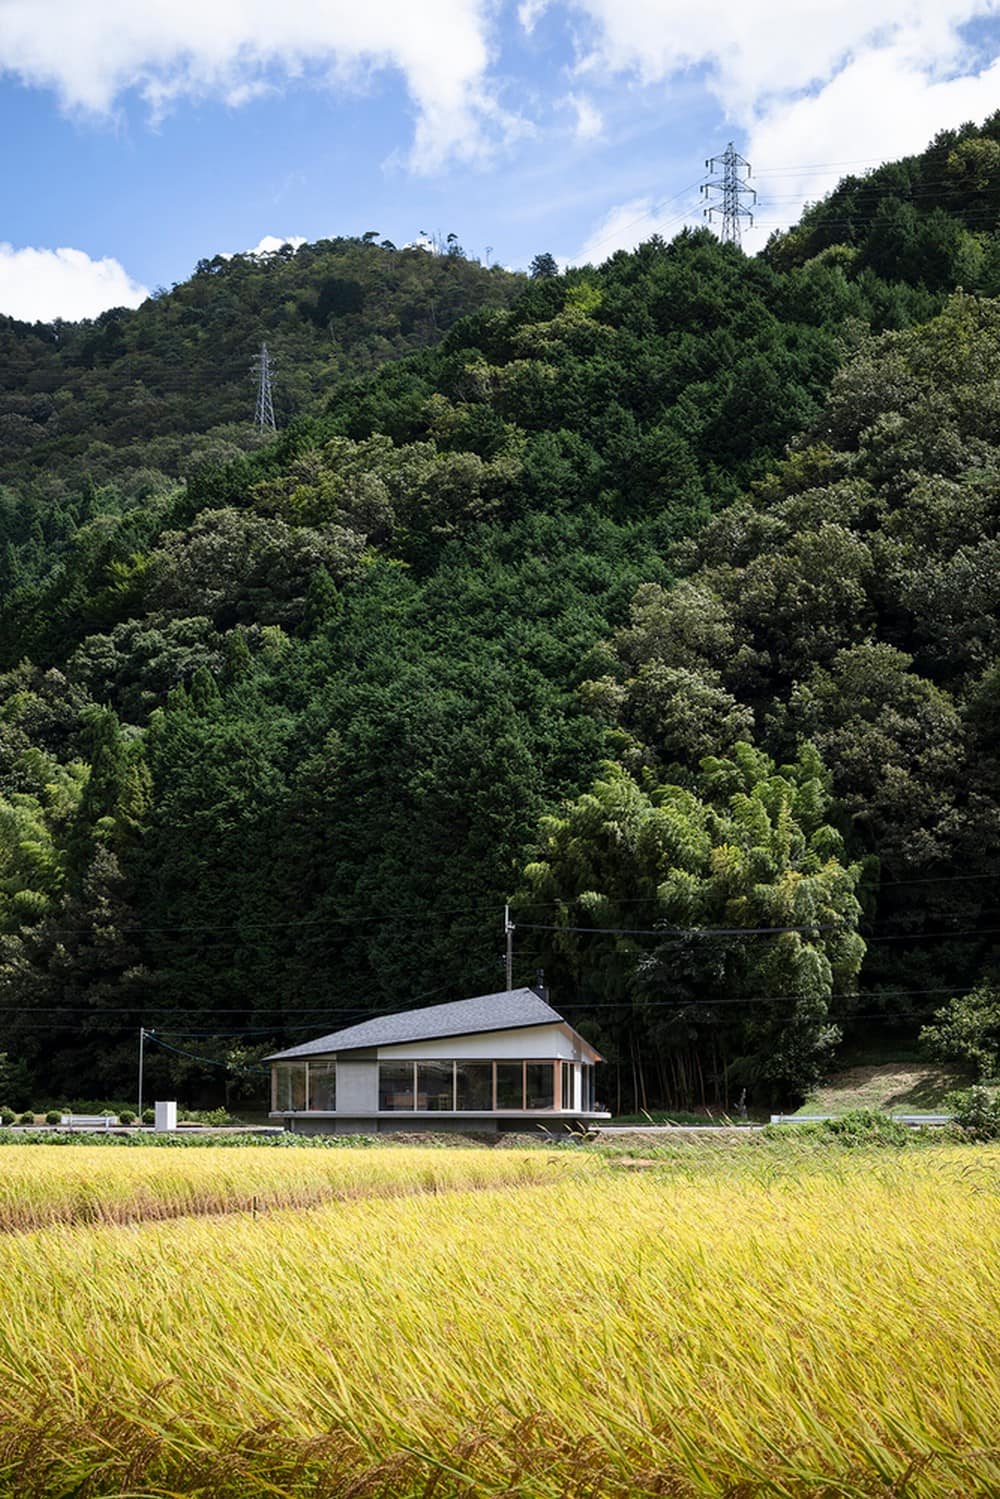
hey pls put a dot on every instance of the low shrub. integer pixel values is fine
(673, 1116)
(7, 1117)
(27, 1119)
(207, 1116)
(194, 1140)
(127, 1116)
(977, 1112)
(54, 1116)
(867, 1127)
(149, 1116)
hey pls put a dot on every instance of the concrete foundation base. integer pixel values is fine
(440, 1124)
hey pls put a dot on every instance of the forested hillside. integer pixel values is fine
(929, 219)
(658, 596)
(136, 399)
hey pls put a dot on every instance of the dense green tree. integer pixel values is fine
(731, 924)
(967, 1030)
(543, 265)
(76, 985)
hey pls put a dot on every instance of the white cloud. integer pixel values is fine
(271, 242)
(622, 228)
(764, 47)
(91, 53)
(266, 245)
(589, 121)
(529, 13)
(41, 285)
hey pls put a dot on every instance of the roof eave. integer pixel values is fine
(308, 1049)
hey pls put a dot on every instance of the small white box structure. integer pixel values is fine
(165, 1115)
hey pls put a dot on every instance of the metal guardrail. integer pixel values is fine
(89, 1121)
(914, 1120)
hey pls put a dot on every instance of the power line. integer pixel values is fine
(936, 879)
(679, 1007)
(870, 995)
(672, 931)
(240, 927)
(587, 1006)
(620, 229)
(243, 930)
(969, 933)
(826, 166)
(206, 1061)
(278, 1027)
(979, 218)
(159, 1010)
(641, 900)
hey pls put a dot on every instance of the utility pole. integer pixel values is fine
(264, 415)
(732, 187)
(508, 927)
(143, 1033)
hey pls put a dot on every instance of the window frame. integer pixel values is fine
(493, 1063)
(305, 1069)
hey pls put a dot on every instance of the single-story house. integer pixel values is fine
(499, 1061)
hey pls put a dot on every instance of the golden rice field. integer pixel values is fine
(44, 1185)
(767, 1325)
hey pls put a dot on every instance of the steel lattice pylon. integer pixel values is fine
(733, 187)
(264, 414)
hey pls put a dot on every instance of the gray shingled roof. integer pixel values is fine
(464, 1017)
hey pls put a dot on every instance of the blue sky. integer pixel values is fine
(144, 136)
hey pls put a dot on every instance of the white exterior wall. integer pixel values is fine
(540, 1043)
(357, 1086)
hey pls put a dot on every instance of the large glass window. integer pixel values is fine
(323, 1086)
(510, 1085)
(588, 1088)
(473, 1085)
(395, 1085)
(290, 1087)
(435, 1085)
(539, 1085)
(463, 1086)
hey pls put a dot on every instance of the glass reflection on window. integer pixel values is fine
(473, 1085)
(323, 1086)
(510, 1085)
(290, 1087)
(435, 1085)
(539, 1085)
(395, 1085)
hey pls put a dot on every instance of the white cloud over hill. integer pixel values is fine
(272, 242)
(812, 89)
(41, 285)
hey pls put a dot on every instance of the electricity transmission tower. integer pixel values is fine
(264, 415)
(733, 187)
